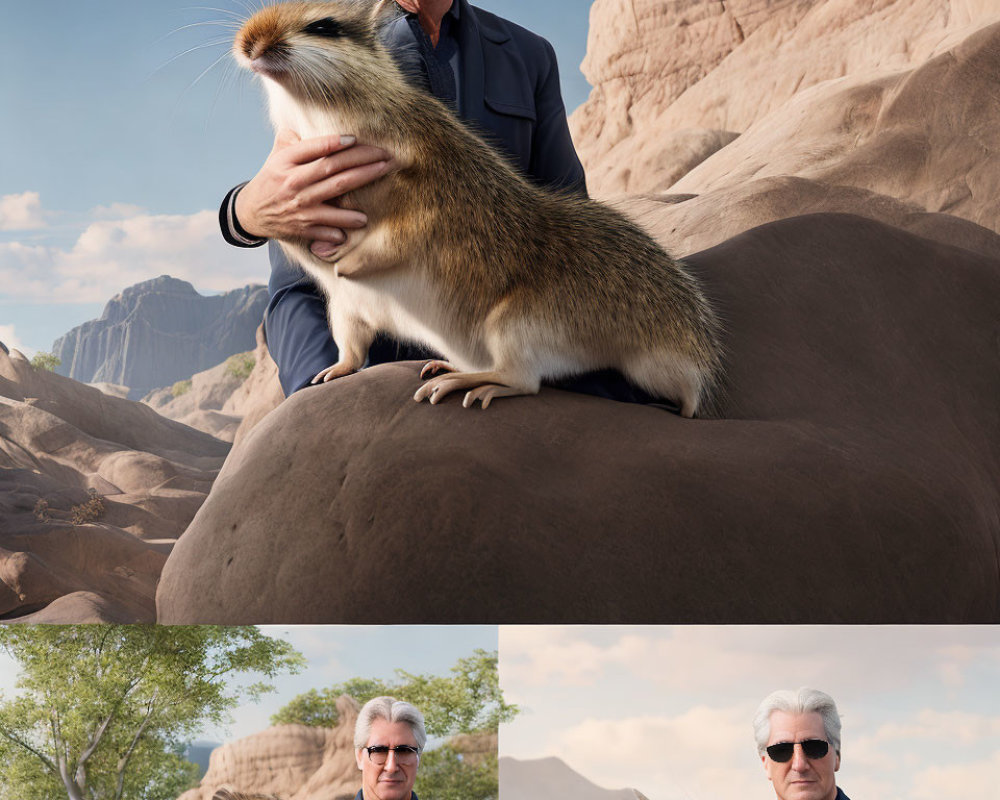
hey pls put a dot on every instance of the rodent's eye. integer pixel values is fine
(325, 27)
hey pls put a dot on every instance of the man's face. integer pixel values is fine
(391, 781)
(801, 778)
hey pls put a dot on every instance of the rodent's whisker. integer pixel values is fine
(205, 71)
(234, 14)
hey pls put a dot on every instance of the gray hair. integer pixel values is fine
(804, 701)
(391, 710)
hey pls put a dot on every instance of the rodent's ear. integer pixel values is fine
(383, 11)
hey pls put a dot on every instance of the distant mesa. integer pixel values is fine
(158, 332)
(545, 778)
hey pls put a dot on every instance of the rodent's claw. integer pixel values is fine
(434, 366)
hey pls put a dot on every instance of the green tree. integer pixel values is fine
(469, 701)
(103, 709)
(46, 361)
(447, 774)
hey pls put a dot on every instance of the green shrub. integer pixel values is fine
(241, 365)
(89, 511)
(181, 387)
(45, 361)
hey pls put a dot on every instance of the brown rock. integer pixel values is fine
(859, 426)
(259, 394)
(294, 762)
(922, 136)
(658, 68)
(93, 491)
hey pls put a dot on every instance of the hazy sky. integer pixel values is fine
(120, 138)
(668, 711)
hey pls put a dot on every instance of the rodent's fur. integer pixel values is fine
(511, 283)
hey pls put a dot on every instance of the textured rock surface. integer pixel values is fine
(158, 332)
(659, 68)
(201, 405)
(546, 778)
(295, 762)
(860, 425)
(221, 403)
(59, 439)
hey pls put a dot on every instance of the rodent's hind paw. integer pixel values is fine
(488, 391)
(434, 366)
(337, 370)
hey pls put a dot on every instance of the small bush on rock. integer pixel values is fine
(241, 365)
(46, 361)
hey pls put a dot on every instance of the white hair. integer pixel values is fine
(803, 701)
(391, 710)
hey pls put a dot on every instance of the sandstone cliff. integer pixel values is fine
(93, 492)
(294, 762)
(160, 331)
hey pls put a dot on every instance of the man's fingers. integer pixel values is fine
(327, 216)
(285, 138)
(344, 182)
(325, 234)
(323, 249)
(306, 150)
(333, 164)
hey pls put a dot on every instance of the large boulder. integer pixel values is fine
(852, 474)
(659, 69)
(294, 762)
(94, 490)
(160, 331)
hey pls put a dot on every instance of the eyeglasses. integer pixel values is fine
(406, 755)
(783, 751)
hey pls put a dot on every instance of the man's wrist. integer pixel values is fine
(232, 231)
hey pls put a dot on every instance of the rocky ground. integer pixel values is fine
(829, 169)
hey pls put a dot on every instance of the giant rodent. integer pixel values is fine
(511, 283)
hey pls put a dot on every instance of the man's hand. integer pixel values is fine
(289, 197)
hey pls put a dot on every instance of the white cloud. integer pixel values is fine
(112, 254)
(21, 212)
(832, 658)
(9, 337)
(700, 754)
(958, 781)
(116, 211)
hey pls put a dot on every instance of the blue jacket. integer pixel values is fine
(510, 93)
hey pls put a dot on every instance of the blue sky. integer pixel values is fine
(668, 710)
(120, 137)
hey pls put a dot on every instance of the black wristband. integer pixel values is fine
(232, 231)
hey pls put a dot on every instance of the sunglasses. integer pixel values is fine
(405, 754)
(813, 749)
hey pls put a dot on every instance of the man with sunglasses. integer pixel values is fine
(798, 740)
(388, 739)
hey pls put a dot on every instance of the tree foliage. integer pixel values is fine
(46, 361)
(468, 701)
(103, 709)
(445, 774)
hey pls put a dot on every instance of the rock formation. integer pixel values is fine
(294, 762)
(858, 424)
(160, 331)
(841, 68)
(221, 400)
(546, 778)
(93, 492)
